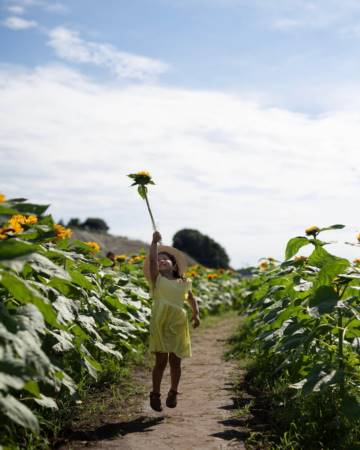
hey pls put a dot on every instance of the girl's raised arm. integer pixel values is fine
(154, 265)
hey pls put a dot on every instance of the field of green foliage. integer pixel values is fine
(301, 335)
(67, 314)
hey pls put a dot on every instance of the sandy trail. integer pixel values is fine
(202, 418)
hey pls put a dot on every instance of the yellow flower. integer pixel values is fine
(2, 235)
(121, 258)
(356, 261)
(143, 173)
(212, 276)
(136, 259)
(263, 265)
(15, 223)
(93, 245)
(31, 220)
(191, 273)
(2, 198)
(62, 232)
(358, 237)
(300, 258)
(313, 230)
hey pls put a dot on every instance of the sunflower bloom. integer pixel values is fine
(358, 237)
(2, 198)
(136, 259)
(30, 220)
(356, 261)
(121, 258)
(93, 245)
(143, 173)
(62, 232)
(15, 223)
(212, 276)
(264, 265)
(312, 231)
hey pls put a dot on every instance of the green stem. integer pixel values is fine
(149, 209)
(341, 355)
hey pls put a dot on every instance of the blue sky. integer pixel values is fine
(278, 50)
(246, 113)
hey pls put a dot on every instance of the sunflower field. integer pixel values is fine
(301, 334)
(66, 311)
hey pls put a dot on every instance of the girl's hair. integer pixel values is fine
(173, 259)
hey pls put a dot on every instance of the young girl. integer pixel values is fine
(169, 339)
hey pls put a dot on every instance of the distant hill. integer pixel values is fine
(116, 244)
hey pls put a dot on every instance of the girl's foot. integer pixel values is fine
(155, 401)
(171, 401)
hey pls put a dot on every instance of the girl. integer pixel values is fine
(169, 339)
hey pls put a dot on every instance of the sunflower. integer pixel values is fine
(62, 232)
(121, 258)
(312, 231)
(93, 245)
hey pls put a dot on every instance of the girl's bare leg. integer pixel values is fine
(175, 370)
(158, 370)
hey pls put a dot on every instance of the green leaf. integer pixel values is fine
(81, 280)
(32, 387)
(46, 402)
(319, 257)
(64, 340)
(12, 248)
(18, 412)
(42, 264)
(325, 299)
(142, 190)
(294, 245)
(92, 366)
(11, 381)
(30, 208)
(22, 291)
(5, 211)
(108, 348)
(331, 267)
(65, 287)
(332, 227)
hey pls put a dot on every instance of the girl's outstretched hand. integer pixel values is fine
(156, 237)
(196, 320)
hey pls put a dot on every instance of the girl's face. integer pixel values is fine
(165, 263)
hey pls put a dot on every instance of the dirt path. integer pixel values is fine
(202, 419)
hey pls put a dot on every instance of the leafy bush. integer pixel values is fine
(303, 334)
(202, 248)
(95, 224)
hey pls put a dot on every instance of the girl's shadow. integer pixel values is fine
(110, 430)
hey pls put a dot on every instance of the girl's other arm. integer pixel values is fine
(154, 265)
(195, 308)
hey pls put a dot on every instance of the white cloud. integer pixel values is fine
(71, 47)
(18, 23)
(248, 176)
(20, 6)
(16, 9)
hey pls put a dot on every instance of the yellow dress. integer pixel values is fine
(169, 327)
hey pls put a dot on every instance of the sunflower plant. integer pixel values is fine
(141, 180)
